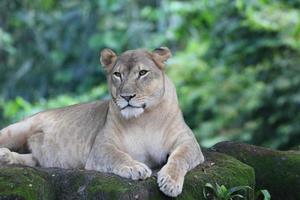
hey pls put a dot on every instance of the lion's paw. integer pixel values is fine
(169, 186)
(136, 171)
(6, 156)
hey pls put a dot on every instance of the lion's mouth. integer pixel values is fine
(132, 106)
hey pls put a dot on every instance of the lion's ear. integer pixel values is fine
(161, 55)
(108, 58)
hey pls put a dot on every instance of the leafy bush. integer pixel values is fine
(216, 100)
(242, 70)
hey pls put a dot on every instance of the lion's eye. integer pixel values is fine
(117, 74)
(143, 72)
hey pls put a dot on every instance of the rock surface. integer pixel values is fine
(17, 182)
(276, 171)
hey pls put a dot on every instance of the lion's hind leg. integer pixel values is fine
(9, 158)
(15, 135)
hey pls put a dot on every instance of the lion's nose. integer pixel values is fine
(128, 97)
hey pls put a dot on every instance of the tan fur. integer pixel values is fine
(110, 136)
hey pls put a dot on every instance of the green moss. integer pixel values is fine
(277, 171)
(221, 169)
(24, 183)
(111, 187)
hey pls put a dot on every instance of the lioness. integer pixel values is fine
(139, 129)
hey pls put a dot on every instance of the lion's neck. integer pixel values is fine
(169, 101)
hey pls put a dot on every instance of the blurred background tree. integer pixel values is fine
(236, 63)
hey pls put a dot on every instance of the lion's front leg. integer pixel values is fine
(108, 158)
(185, 157)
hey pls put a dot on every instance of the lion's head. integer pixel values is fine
(136, 78)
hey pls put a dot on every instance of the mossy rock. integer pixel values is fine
(62, 184)
(24, 183)
(276, 171)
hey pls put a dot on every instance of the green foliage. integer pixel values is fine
(263, 194)
(242, 66)
(218, 192)
(219, 99)
(236, 63)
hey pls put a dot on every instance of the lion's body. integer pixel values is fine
(110, 137)
(67, 135)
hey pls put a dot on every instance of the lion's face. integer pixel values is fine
(136, 79)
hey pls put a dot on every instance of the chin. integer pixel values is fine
(130, 112)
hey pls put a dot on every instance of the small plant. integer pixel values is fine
(220, 192)
(262, 195)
